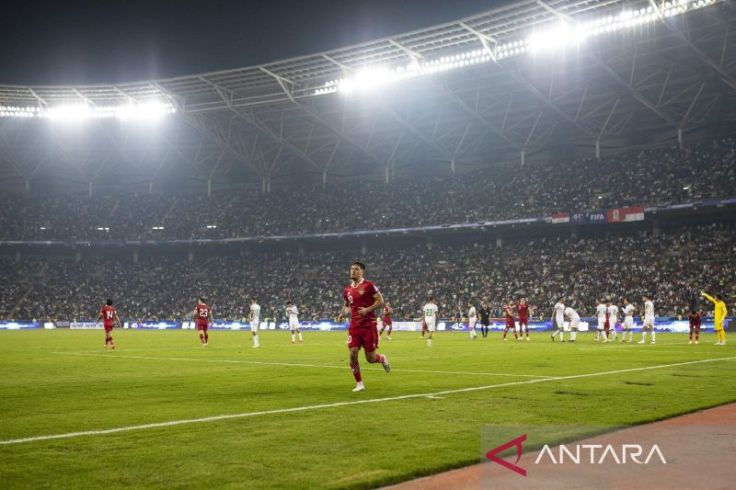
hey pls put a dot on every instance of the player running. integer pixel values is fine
(430, 318)
(362, 299)
(600, 312)
(612, 319)
(472, 319)
(720, 315)
(523, 309)
(574, 320)
(109, 316)
(386, 321)
(485, 319)
(203, 318)
(255, 321)
(629, 310)
(694, 319)
(558, 319)
(292, 313)
(648, 323)
(508, 312)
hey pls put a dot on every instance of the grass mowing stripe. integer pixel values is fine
(290, 364)
(216, 418)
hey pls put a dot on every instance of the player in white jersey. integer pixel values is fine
(612, 319)
(255, 321)
(648, 323)
(574, 319)
(600, 312)
(558, 319)
(629, 310)
(472, 318)
(293, 314)
(430, 318)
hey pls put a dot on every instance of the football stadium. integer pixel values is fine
(496, 251)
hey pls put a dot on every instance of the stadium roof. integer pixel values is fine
(619, 88)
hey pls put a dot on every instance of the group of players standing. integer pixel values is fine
(361, 300)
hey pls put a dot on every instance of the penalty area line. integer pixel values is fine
(324, 406)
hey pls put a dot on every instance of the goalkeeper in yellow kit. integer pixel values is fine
(720, 316)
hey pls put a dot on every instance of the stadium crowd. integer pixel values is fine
(648, 177)
(163, 286)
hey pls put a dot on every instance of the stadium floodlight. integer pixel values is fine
(158, 228)
(211, 227)
(555, 38)
(142, 111)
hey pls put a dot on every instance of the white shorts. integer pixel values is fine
(560, 322)
(612, 322)
(471, 323)
(574, 324)
(254, 325)
(628, 323)
(430, 325)
(601, 324)
(648, 321)
(293, 324)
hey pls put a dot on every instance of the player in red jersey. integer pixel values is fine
(109, 317)
(523, 309)
(508, 312)
(694, 318)
(387, 312)
(203, 317)
(362, 299)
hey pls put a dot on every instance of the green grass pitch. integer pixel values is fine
(56, 382)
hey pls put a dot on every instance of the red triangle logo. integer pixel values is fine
(492, 455)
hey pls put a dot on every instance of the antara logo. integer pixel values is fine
(578, 454)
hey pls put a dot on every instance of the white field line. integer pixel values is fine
(290, 364)
(305, 408)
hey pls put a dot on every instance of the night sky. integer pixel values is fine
(106, 41)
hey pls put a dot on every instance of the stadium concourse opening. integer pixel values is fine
(529, 211)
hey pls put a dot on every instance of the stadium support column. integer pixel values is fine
(597, 149)
(28, 184)
(679, 138)
(266, 184)
(499, 242)
(89, 188)
(388, 176)
(452, 167)
(135, 256)
(190, 256)
(324, 179)
(78, 257)
(150, 187)
(523, 157)
(209, 187)
(363, 249)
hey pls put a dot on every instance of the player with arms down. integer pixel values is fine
(203, 317)
(362, 299)
(109, 317)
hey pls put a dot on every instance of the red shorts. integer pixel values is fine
(367, 338)
(202, 326)
(524, 321)
(510, 323)
(108, 328)
(387, 322)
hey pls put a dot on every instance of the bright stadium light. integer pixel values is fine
(158, 228)
(548, 40)
(142, 111)
(211, 227)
